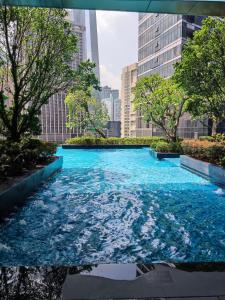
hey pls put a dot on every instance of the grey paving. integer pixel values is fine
(161, 283)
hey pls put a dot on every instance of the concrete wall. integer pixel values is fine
(214, 173)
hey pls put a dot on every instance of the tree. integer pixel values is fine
(86, 112)
(86, 79)
(201, 71)
(36, 47)
(161, 102)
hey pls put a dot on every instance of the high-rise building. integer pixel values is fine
(110, 98)
(160, 41)
(54, 114)
(94, 41)
(128, 81)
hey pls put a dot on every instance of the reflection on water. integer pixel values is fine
(35, 282)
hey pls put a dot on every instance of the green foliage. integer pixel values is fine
(222, 162)
(86, 79)
(37, 46)
(208, 138)
(167, 147)
(212, 152)
(16, 157)
(86, 112)
(219, 137)
(201, 71)
(112, 141)
(161, 102)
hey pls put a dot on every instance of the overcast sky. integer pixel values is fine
(117, 37)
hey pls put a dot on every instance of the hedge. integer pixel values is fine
(213, 152)
(113, 141)
(167, 147)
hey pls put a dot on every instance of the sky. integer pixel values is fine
(117, 41)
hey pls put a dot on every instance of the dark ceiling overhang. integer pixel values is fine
(192, 7)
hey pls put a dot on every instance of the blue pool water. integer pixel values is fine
(117, 206)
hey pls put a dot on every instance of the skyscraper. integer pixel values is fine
(110, 98)
(94, 41)
(54, 114)
(128, 81)
(160, 41)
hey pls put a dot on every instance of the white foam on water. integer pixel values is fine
(173, 250)
(67, 228)
(22, 222)
(4, 247)
(40, 203)
(219, 191)
(186, 236)
(155, 243)
(147, 227)
(170, 217)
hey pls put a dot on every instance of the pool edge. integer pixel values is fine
(16, 195)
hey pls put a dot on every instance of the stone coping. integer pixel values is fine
(207, 170)
(16, 194)
(73, 146)
(161, 155)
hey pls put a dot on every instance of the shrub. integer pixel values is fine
(222, 162)
(167, 147)
(18, 157)
(219, 137)
(87, 141)
(212, 152)
(206, 138)
(161, 146)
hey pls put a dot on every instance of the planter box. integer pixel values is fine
(67, 146)
(207, 170)
(16, 194)
(161, 155)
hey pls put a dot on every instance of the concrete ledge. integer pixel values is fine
(207, 170)
(160, 283)
(68, 146)
(16, 194)
(161, 155)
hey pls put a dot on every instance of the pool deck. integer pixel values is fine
(161, 283)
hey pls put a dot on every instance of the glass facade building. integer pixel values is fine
(110, 98)
(160, 41)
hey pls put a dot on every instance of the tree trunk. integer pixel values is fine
(100, 132)
(215, 126)
(14, 136)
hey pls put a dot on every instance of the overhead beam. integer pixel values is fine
(191, 7)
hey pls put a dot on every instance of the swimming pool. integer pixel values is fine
(117, 205)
